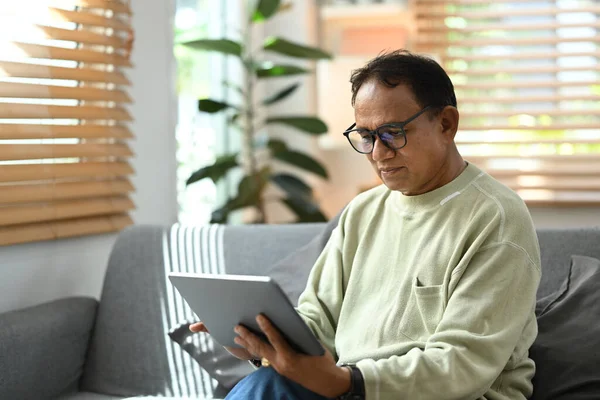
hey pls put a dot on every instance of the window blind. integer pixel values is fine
(526, 77)
(64, 131)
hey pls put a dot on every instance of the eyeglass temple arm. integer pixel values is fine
(417, 115)
(350, 127)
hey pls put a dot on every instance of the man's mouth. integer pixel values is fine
(389, 170)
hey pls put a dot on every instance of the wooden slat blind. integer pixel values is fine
(526, 74)
(64, 150)
(23, 70)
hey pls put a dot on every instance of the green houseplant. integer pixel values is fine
(258, 170)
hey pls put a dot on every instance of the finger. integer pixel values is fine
(277, 341)
(246, 347)
(247, 337)
(238, 340)
(198, 327)
(254, 344)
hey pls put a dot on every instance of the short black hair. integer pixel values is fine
(428, 81)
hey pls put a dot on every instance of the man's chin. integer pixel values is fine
(393, 184)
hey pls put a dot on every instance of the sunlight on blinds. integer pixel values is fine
(526, 75)
(63, 118)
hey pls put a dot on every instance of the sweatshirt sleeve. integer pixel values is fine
(485, 315)
(320, 303)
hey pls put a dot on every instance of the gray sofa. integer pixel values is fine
(122, 346)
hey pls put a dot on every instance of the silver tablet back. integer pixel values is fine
(223, 301)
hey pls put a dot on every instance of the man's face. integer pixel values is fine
(417, 167)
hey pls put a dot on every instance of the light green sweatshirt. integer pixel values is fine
(432, 295)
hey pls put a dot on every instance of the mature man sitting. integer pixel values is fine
(426, 289)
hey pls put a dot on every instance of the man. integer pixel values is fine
(426, 289)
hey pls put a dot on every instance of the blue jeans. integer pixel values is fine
(267, 384)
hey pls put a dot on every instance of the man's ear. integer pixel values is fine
(449, 120)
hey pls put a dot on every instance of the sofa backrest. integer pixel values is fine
(131, 353)
(556, 248)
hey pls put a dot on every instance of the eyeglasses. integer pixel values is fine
(391, 135)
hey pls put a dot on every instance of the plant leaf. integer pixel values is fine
(282, 46)
(233, 118)
(220, 215)
(277, 145)
(265, 9)
(249, 193)
(215, 171)
(250, 188)
(282, 94)
(269, 70)
(306, 210)
(212, 106)
(301, 160)
(225, 46)
(307, 124)
(293, 186)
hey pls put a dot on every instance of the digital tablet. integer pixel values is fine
(224, 301)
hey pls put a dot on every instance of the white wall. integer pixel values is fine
(38, 272)
(566, 217)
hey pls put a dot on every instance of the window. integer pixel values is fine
(526, 76)
(202, 137)
(63, 121)
(196, 136)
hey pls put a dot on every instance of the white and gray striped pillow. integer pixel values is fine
(197, 249)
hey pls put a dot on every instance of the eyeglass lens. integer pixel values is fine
(363, 140)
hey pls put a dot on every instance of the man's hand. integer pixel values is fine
(319, 374)
(237, 352)
(198, 327)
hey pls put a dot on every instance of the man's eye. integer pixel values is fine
(390, 132)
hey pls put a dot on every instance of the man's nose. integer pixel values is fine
(381, 151)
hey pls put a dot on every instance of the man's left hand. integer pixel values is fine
(319, 374)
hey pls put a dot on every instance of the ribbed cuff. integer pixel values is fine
(368, 368)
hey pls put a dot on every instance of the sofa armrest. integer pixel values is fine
(43, 348)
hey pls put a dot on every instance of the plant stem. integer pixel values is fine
(248, 156)
(248, 160)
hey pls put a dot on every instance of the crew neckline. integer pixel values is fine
(441, 195)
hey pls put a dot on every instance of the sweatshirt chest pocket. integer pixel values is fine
(424, 310)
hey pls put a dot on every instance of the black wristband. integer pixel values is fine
(357, 384)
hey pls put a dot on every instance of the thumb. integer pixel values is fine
(198, 327)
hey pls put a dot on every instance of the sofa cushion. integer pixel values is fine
(211, 356)
(131, 353)
(43, 348)
(567, 349)
(291, 273)
(91, 396)
(97, 396)
(556, 248)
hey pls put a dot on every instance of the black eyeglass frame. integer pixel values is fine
(375, 132)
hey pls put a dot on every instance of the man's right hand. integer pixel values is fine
(238, 352)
